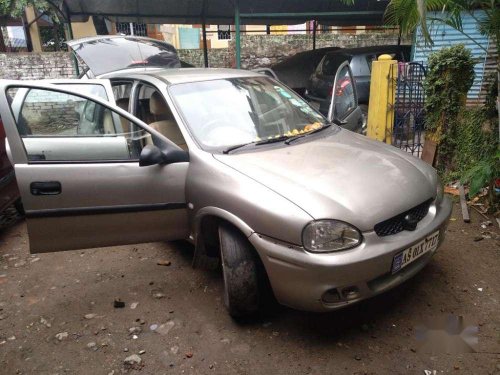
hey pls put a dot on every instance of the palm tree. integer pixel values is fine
(409, 14)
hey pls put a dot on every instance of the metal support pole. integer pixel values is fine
(205, 48)
(238, 34)
(70, 37)
(315, 26)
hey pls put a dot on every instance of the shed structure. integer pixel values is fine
(229, 12)
(483, 50)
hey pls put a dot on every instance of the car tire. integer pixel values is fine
(18, 204)
(364, 114)
(241, 273)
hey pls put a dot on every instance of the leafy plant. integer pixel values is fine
(409, 14)
(15, 8)
(477, 155)
(449, 77)
(483, 174)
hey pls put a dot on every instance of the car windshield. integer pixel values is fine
(226, 112)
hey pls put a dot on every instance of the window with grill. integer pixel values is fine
(131, 28)
(223, 32)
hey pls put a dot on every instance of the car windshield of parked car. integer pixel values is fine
(227, 112)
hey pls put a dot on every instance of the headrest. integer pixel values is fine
(157, 105)
(123, 103)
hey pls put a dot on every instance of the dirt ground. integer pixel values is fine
(57, 315)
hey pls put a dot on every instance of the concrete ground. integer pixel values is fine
(57, 315)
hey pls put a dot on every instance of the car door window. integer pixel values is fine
(121, 93)
(57, 126)
(344, 96)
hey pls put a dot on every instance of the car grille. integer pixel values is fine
(396, 224)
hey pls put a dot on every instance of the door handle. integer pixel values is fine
(45, 188)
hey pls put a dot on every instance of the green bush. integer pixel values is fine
(449, 77)
(475, 139)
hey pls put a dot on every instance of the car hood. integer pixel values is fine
(342, 175)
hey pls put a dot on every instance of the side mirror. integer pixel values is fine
(153, 155)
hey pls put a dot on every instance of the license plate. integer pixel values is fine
(404, 258)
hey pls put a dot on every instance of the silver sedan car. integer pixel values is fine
(285, 201)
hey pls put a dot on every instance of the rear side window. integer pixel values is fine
(369, 60)
(359, 66)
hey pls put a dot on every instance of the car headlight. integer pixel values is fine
(439, 191)
(323, 236)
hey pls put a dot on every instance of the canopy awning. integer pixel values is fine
(257, 12)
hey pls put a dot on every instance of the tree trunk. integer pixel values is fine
(3, 48)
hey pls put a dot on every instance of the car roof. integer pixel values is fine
(370, 49)
(184, 75)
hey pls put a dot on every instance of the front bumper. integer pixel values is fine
(299, 279)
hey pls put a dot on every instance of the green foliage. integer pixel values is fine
(475, 141)
(408, 14)
(449, 77)
(15, 8)
(483, 174)
(477, 156)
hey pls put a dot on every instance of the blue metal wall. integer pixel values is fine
(445, 36)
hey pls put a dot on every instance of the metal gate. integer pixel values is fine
(409, 115)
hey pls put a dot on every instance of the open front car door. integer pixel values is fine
(344, 109)
(77, 163)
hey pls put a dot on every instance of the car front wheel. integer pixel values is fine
(241, 271)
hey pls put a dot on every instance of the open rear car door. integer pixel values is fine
(77, 163)
(344, 109)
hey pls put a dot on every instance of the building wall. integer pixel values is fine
(83, 29)
(266, 50)
(36, 65)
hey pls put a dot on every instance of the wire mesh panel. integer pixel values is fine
(409, 115)
(131, 28)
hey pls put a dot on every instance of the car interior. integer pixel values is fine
(151, 108)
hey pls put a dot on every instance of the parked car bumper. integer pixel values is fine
(300, 279)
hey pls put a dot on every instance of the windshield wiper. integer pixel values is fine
(281, 138)
(235, 147)
(256, 143)
(294, 138)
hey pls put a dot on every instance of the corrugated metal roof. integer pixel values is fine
(362, 12)
(446, 36)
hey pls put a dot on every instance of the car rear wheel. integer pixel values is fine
(241, 272)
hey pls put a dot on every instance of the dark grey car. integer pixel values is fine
(320, 85)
